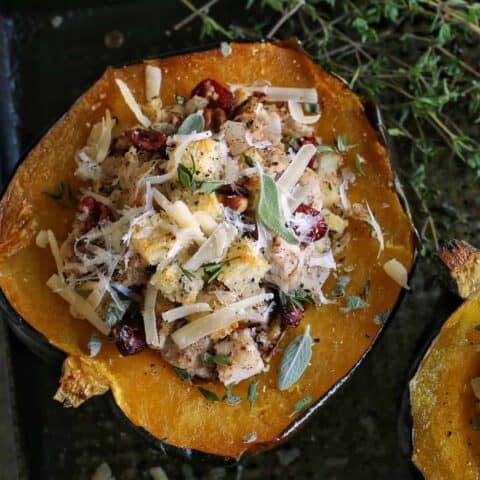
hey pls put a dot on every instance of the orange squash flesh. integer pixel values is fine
(446, 446)
(146, 389)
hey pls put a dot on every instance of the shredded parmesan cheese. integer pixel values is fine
(206, 222)
(184, 141)
(180, 213)
(97, 292)
(299, 196)
(296, 111)
(149, 317)
(376, 227)
(295, 170)
(153, 82)
(132, 103)
(185, 311)
(397, 271)
(218, 320)
(55, 252)
(281, 94)
(42, 239)
(79, 305)
(214, 248)
(104, 136)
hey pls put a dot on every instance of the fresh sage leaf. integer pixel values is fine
(116, 312)
(295, 360)
(301, 405)
(183, 375)
(210, 396)
(193, 123)
(252, 392)
(216, 359)
(94, 345)
(268, 208)
(354, 303)
(251, 437)
(209, 187)
(230, 397)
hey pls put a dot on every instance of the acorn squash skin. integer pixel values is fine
(442, 405)
(145, 389)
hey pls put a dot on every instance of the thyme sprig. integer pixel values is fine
(417, 58)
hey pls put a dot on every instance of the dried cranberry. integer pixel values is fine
(129, 336)
(291, 315)
(148, 140)
(217, 95)
(95, 212)
(319, 228)
(308, 140)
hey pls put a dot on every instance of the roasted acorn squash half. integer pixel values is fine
(444, 408)
(146, 389)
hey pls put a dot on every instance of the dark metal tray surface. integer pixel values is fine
(48, 57)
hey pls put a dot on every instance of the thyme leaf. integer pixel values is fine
(115, 312)
(183, 375)
(353, 303)
(301, 405)
(209, 395)
(190, 275)
(216, 359)
(252, 392)
(63, 196)
(229, 396)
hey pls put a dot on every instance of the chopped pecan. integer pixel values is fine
(233, 197)
(214, 118)
(217, 95)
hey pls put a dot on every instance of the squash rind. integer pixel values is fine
(443, 406)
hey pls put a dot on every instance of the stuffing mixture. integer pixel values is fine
(205, 230)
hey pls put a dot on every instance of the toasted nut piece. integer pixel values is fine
(214, 118)
(236, 202)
